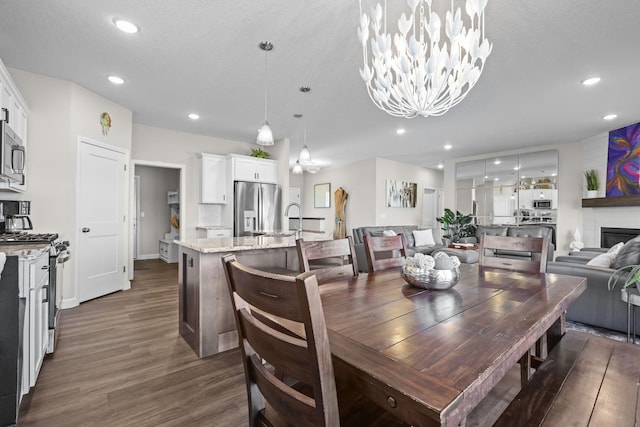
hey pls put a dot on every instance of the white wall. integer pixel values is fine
(595, 157)
(570, 184)
(365, 183)
(155, 183)
(389, 169)
(164, 145)
(358, 180)
(60, 111)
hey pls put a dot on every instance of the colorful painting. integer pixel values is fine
(623, 164)
(401, 194)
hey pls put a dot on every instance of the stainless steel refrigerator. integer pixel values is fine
(257, 208)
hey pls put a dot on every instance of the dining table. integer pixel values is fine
(430, 357)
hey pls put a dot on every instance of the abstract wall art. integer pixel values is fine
(623, 163)
(401, 194)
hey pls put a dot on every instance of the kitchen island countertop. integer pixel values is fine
(234, 244)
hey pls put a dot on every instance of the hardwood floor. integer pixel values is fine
(120, 361)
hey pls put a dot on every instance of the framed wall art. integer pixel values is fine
(401, 194)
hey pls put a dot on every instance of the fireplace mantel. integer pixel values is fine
(609, 202)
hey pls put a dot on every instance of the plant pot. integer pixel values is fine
(592, 194)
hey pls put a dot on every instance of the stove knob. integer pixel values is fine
(86, 229)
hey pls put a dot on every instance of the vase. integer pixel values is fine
(592, 194)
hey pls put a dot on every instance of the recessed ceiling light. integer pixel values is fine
(447, 147)
(440, 165)
(486, 177)
(610, 116)
(516, 168)
(496, 179)
(523, 176)
(400, 131)
(193, 116)
(591, 81)
(125, 26)
(116, 80)
(497, 162)
(554, 174)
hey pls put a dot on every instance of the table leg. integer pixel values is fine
(556, 332)
(628, 318)
(525, 368)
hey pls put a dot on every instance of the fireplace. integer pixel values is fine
(610, 236)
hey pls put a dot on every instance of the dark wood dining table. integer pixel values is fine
(431, 356)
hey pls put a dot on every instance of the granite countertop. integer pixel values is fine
(29, 250)
(233, 244)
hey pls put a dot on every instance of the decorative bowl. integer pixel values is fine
(433, 280)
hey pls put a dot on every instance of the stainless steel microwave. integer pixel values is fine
(13, 154)
(542, 204)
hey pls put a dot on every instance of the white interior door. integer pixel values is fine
(101, 214)
(429, 208)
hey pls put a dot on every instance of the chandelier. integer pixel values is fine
(415, 72)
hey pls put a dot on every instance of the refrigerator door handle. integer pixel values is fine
(260, 209)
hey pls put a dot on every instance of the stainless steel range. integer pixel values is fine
(58, 254)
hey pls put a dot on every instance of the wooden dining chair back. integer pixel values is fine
(328, 259)
(386, 245)
(283, 341)
(534, 252)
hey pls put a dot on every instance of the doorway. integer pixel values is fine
(152, 211)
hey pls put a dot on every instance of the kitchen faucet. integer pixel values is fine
(286, 213)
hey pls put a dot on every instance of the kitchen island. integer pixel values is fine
(206, 320)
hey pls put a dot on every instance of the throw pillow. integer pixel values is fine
(389, 233)
(602, 260)
(423, 237)
(629, 254)
(615, 249)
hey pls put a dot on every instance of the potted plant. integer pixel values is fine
(593, 183)
(259, 153)
(456, 226)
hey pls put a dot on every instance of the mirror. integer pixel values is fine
(322, 196)
(516, 189)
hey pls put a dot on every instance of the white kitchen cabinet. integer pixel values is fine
(35, 274)
(246, 168)
(168, 251)
(525, 199)
(213, 179)
(17, 109)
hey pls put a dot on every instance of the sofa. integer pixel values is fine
(598, 306)
(406, 230)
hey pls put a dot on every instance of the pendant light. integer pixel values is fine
(305, 154)
(297, 168)
(265, 135)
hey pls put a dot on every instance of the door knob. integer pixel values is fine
(86, 229)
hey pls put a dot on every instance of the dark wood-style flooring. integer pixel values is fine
(120, 361)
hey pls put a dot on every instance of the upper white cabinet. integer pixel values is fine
(246, 168)
(213, 179)
(15, 111)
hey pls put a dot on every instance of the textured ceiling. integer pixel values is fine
(203, 56)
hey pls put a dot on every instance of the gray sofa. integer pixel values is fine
(598, 306)
(406, 230)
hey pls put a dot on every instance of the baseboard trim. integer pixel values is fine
(69, 303)
(148, 256)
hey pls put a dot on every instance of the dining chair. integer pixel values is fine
(537, 248)
(328, 259)
(285, 352)
(384, 244)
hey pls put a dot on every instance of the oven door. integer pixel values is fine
(13, 154)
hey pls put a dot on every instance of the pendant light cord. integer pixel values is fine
(265, 85)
